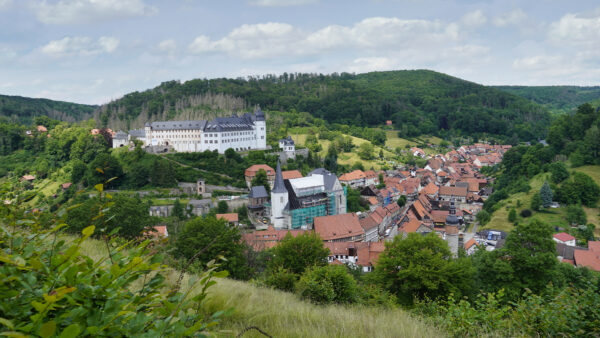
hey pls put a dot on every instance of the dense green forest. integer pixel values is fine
(25, 109)
(418, 102)
(558, 99)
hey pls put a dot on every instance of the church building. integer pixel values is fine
(296, 202)
(245, 132)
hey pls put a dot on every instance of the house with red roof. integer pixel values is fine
(471, 246)
(564, 238)
(339, 228)
(231, 218)
(368, 255)
(353, 179)
(261, 240)
(253, 170)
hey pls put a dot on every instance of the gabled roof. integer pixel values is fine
(253, 169)
(338, 226)
(594, 246)
(290, 174)
(368, 254)
(431, 189)
(453, 191)
(588, 259)
(230, 217)
(564, 237)
(470, 243)
(258, 192)
(368, 223)
(411, 226)
(353, 175)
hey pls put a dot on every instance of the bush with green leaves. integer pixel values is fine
(327, 284)
(50, 288)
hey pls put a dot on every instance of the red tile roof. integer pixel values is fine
(231, 217)
(338, 226)
(431, 189)
(470, 243)
(564, 237)
(368, 255)
(351, 176)
(291, 174)
(594, 246)
(41, 129)
(368, 223)
(453, 191)
(587, 258)
(373, 200)
(265, 239)
(66, 185)
(252, 170)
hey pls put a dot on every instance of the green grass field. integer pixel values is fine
(555, 217)
(351, 157)
(283, 314)
(393, 141)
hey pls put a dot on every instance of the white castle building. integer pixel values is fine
(239, 133)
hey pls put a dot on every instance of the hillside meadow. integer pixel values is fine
(282, 314)
(348, 158)
(555, 217)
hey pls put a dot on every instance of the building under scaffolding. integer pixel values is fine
(318, 194)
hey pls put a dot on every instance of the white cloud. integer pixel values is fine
(576, 29)
(276, 39)
(4, 4)
(86, 11)
(370, 64)
(80, 46)
(167, 45)
(281, 3)
(514, 17)
(474, 19)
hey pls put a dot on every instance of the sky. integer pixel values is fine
(95, 51)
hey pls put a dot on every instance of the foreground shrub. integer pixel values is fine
(48, 287)
(328, 284)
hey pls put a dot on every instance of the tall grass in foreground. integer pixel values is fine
(283, 314)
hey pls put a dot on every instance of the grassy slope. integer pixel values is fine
(555, 217)
(283, 314)
(394, 141)
(351, 157)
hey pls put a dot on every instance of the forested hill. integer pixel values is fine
(418, 102)
(558, 99)
(24, 109)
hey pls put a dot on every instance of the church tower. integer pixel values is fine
(279, 200)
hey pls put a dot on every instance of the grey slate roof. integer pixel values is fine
(329, 179)
(287, 141)
(120, 135)
(258, 192)
(279, 186)
(178, 125)
(137, 133)
(231, 123)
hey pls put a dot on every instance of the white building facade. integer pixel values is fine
(246, 132)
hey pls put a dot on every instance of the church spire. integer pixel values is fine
(279, 187)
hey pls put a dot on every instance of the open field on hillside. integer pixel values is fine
(555, 217)
(393, 140)
(351, 157)
(283, 314)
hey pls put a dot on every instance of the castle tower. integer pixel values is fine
(261, 129)
(279, 200)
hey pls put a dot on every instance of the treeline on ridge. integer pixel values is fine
(417, 102)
